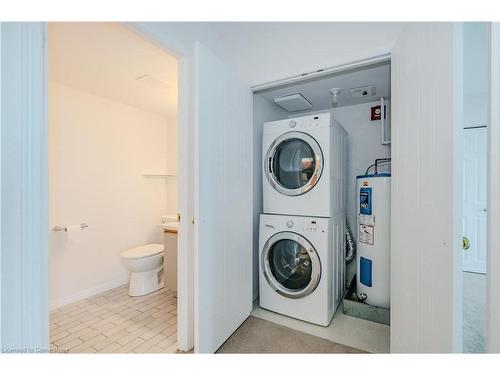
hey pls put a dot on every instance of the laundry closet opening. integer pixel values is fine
(321, 218)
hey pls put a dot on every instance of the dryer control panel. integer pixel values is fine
(305, 123)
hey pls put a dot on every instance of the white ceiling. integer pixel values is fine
(318, 91)
(267, 51)
(105, 59)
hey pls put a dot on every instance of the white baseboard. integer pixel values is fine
(60, 302)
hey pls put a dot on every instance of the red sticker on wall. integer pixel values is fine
(376, 113)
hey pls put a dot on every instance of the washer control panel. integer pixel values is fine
(308, 226)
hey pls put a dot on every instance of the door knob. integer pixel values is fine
(465, 243)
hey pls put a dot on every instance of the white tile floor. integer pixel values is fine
(114, 322)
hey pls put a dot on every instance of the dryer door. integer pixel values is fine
(291, 265)
(294, 163)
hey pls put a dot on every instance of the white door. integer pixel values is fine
(426, 188)
(474, 192)
(223, 201)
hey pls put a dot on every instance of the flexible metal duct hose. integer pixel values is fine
(350, 245)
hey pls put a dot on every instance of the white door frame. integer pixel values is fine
(493, 193)
(0, 185)
(24, 247)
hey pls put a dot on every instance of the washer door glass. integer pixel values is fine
(291, 265)
(295, 163)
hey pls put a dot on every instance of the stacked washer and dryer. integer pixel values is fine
(301, 238)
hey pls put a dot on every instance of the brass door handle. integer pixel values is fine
(465, 243)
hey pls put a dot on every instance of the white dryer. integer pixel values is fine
(304, 166)
(301, 266)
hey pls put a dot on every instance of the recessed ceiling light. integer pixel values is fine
(293, 102)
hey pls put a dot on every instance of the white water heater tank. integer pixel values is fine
(374, 239)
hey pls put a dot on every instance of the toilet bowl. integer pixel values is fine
(144, 263)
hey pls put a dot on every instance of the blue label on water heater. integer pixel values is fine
(365, 270)
(365, 201)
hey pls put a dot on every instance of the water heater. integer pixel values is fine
(374, 239)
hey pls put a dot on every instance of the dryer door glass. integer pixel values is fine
(290, 264)
(295, 163)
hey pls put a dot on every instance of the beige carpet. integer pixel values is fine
(260, 336)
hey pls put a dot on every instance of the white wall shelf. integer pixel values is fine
(158, 175)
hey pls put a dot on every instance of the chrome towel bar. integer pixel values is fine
(58, 228)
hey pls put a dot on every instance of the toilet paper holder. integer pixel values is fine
(59, 228)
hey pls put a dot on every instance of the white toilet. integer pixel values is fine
(144, 263)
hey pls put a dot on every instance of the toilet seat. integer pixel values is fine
(144, 251)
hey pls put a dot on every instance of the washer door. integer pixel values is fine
(294, 163)
(291, 265)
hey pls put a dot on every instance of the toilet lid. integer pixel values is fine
(143, 251)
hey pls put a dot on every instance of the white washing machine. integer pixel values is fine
(301, 266)
(304, 166)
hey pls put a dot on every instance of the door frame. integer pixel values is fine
(493, 191)
(24, 185)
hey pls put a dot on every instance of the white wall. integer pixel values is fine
(98, 153)
(171, 167)
(364, 147)
(267, 51)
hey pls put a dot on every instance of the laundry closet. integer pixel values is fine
(319, 144)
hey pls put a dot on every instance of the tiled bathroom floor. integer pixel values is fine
(114, 322)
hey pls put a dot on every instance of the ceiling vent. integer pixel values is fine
(293, 102)
(152, 82)
(363, 92)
